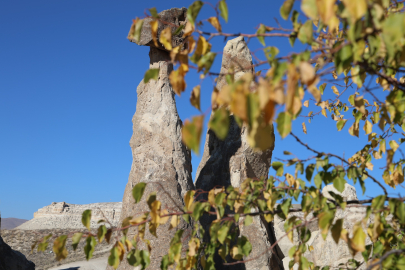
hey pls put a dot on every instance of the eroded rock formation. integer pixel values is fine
(326, 252)
(160, 158)
(231, 161)
(63, 215)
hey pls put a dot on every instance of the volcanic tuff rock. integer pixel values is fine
(173, 17)
(231, 161)
(65, 215)
(21, 241)
(325, 252)
(160, 158)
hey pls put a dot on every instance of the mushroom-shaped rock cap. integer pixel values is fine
(173, 18)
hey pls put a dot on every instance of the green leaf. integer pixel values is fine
(337, 229)
(309, 171)
(76, 239)
(152, 73)
(137, 191)
(284, 124)
(318, 180)
(206, 62)
(223, 233)
(219, 123)
(198, 211)
(114, 259)
(285, 206)
(248, 220)
(193, 10)
(102, 230)
(279, 167)
(223, 10)
(59, 247)
(305, 34)
(89, 247)
(154, 12)
(286, 9)
(86, 217)
(339, 183)
(309, 7)
(271, 52)
(145, 258)
(324, 221)
(244, 246)
(340, 124)
(261, 30)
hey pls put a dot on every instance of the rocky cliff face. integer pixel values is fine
(231, 161)
(326, 252)
(65, 215)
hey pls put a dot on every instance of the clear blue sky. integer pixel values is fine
(68, 79)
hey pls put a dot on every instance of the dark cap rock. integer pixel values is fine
(173, 18)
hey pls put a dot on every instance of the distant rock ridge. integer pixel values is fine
(62, 215)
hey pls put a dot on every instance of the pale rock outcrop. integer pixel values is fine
(231, 161)
(160, 158)
(62, 215)
(326, 252)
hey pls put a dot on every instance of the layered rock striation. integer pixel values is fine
(231, 161)
(63, 215)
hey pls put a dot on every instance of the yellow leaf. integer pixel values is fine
(166, 38)
(306, 103)
(137, 220)
(304, 128)
(394, 145)
(174, 222)
(290, 179)
(154, 28)
(292, 83)
(193, 246)
(195, 97)
(189, 199)
(315, 92)
(191, 133)
(335, 90)
(368, 127)
(202, 46)
(191, 44)
(307, 73)
(189, 29)
(214, 22)
(155, 212)
(356, 8)
(177, 81)
(358, 242)
(163, 217)
(324, 113)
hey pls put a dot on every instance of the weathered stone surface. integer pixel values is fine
(231, 161)
(160, 158)
(65, 215)
(21, 241)
(326, 252)
(13, 260)
(173, 17)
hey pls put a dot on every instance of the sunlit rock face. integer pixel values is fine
(325, 252)
(62, 215)
(231, 161)
(160, 158)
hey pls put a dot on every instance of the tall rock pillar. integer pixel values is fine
(160, 158)
(231, 161)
